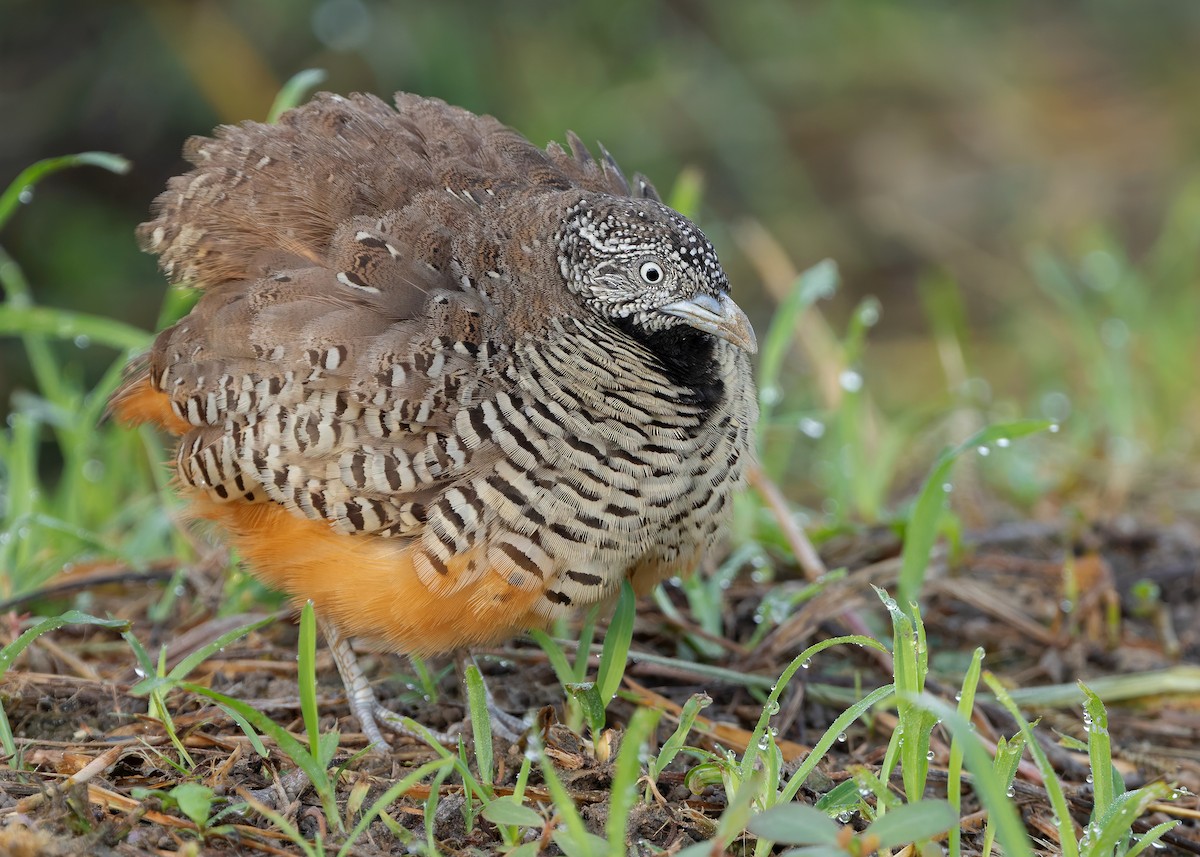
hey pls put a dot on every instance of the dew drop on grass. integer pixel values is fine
(83, 340)
(842, 738)
(770, 395)
(93, 470)
(1054, 428)
(850, 381)
(26, 195)
(1011, 791)
(806, 664)
(1003, 443)
(812, 428)
(983, 450)
(929, 756)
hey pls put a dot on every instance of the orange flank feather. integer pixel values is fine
(367, 586)
(139, 403)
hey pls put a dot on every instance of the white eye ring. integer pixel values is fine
(651, 273)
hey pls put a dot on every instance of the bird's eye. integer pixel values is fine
(651, 272)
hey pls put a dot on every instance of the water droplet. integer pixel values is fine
(26, 195)
(1011, 792)
(983, 450)
(1089, 779)
(1003, 443)
(844, 817)
(1114, 333)
(1055, 428)
(929, 757)
(958, 696)
(947, 487)
(869, 312)
(806, 664)
(93, 470)
(850, 381)
(812, 428)
(139, 672)
(180, 591)
(773, 708)
(842, 738)
(770, 395)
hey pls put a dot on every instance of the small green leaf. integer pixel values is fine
(844, 797)
(615, 652)
(913, 822)
(508, 810)
(795, 824)
(195, 801)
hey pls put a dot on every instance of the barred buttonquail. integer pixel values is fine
(443, 383)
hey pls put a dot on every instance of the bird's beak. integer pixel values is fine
(719, 316)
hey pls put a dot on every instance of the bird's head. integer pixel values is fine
(648, 269)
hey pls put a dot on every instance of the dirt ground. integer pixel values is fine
(1050, 604)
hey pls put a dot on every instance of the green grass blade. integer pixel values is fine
(194, 659)
(626, 773)
(72, 617)
(306, 677)
(954, 767)
(65, 324)
(481, 725)
(386, 799)
(989, 788)
(922, 529)
(614, 654)
(672, 746)
(31, 175)
(295, 91)
(1058, 801)
(840, 725)
(818, 281)
(771, 708)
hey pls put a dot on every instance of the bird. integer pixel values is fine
(444, 384)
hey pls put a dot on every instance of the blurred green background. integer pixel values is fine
(1015, 182)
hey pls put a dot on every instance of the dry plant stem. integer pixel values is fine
(806, 555)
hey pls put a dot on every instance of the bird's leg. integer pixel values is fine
(507, 726)
(364, 705)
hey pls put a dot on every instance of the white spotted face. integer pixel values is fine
(638, 262)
